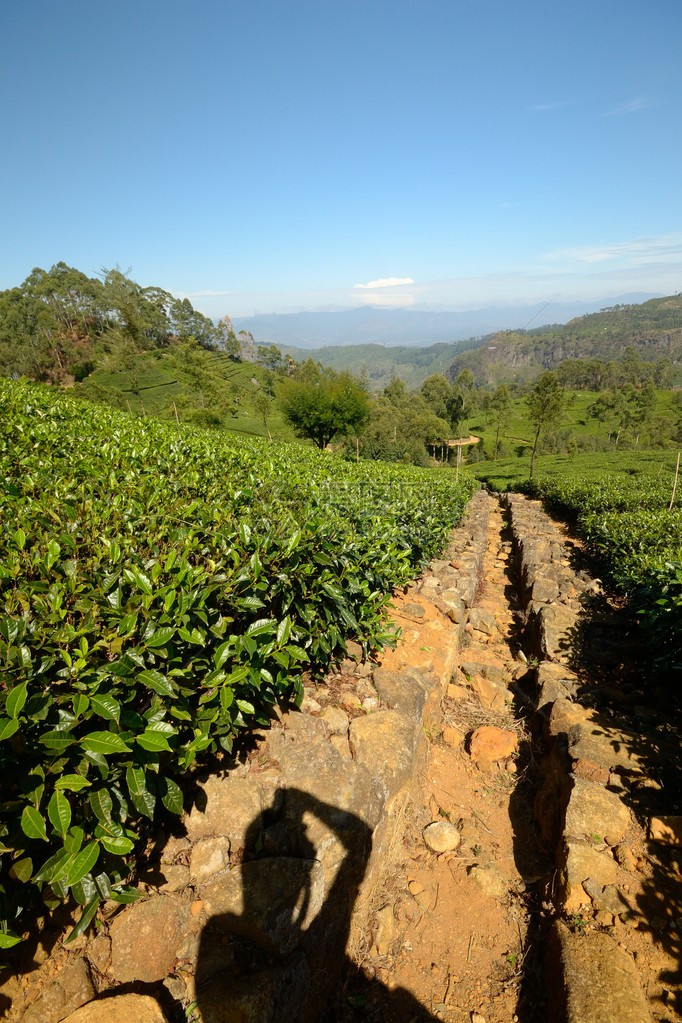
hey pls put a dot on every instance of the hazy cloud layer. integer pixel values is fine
(386, 282)
(588, 272)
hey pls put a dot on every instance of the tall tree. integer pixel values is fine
(545, 406)
(321, 405)
(500, 406)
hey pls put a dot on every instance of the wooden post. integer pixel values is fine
(177, 420)
(459, 460)
(677, 473)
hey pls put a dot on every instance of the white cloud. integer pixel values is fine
(541, 108)
(664, 249)
(386, 282)
(630, 107)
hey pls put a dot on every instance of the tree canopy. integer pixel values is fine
(320, 404)
(60, 324)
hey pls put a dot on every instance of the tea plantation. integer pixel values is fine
(160, 589)
(620, 503)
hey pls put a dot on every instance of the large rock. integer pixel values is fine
(489, 671)
(227, 807)
(145, 938)
(594, 812)
(384, 742)
(582, 862)
(482, 621)
(336, 796)
(261, 901)
(336, 720)
(489, 744)
(608, 748)
(400, 691)
(72, 988)
(592, 980)
(550, 629)
(119, 1009)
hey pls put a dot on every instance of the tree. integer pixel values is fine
(324, 404)
(436, 392)
(545, 406)
(262, 403)
(500, 406)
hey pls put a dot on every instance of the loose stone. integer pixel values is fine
(441, 836)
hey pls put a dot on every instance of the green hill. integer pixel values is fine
(653, 330)
(188, 384)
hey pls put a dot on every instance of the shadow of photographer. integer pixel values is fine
(274, 948)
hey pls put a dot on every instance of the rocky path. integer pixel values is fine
(456, 927)
(546, 892)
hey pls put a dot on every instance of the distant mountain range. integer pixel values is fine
(653, 329)
(378, 325)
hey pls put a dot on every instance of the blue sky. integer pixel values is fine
(275, 155)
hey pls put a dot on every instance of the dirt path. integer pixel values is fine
(462, 935)
(455, 927)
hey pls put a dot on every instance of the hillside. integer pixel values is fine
(652, 329)
(192, 385)
(378, 364)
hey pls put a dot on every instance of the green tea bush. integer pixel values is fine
(625, 519)
(160, 589)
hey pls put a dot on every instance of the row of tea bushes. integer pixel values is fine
(160, 589)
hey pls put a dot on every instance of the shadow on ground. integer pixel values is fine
(280, 957)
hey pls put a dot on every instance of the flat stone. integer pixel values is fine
(119, 1009)
(441, 836)
(145, 938)
(606, 898)
(385, 930)
(226, 806)
(488, 744)
(413, 610)
(491, 695)
(69, 990)
(336, 795)
(260, 996)
(354, 650)
(564, 715)
(209, 856)
(482, 621)
(594, 811)
(452, 736)
(336, 720)
(400, 691)
(609, 748)
(583, 861)
(175, 877)
(489, 880)
(457, 693)
(667, 830)
(595, 981)
(384, 743)
(258, 901)
(545, 589)
(555, 623)
(489, 671)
